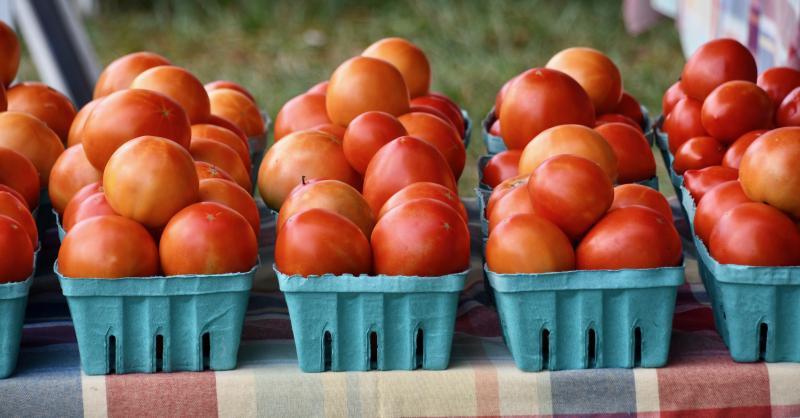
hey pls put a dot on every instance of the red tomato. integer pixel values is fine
(16, 251)
(84, 193)
(16, 194)
(444, 105)
(502, 189)
(92, 206)
(501, 94)
(634, 156)
(225, 123)
(11, 53)
(224, 157)
(714, 63)
(735, 108)
(495, 128)
(108, 247)
(71, 171)
(238, 109)
(699, 182)
(789, 110)
(696, 153)
(501, 166)
(317, 241)
(778, 82)
(120, 73)
(516, 201)
(423, 237)
(75, 134)
(431, 111)
(631, 108)
(11, 207)
(299, 113)
(319, 88)
(769, 171)
(617, 118)
(714, 204)
(149, 179)
(528, 243)
(179, 85)
(683, 123)
(570, 139)
(30, 137)
(408, 58)
(207, 238)
(595, 72)
(205, 171)
(44, 102)
(539, 99)
(626, 195)
(425, 190)
(332, 129)
(225, 84)
(223, 136)
(439, 133)
(671, 97)
(362, 84)
(229, 194)
(3, 99)
(572, 192)
(618, 241)
(404, 161)
(332, 195)
(18, 173)
(366, 134)
(733, 156)
(755, 234)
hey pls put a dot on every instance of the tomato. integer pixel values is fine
(309, 155)
(9, 44)
(149, 179)
(789, 110)
(699, 182)
(527, 243)
(18, 173)
(299, 113)
(769, 171)
(3, 99)
(502, 189)
(332, 195)
(224, 157)
(617, 118)
(319, 88)
(93, 206)
(229, 194)
(84, 193)
(75, 134)
(672, 96)
(71, 171)
(440, 134)
(630, 107)
(714, 63)
(408, 58)
(205, 171)
(755, 234)
(733, 156)
(225, 84)
(129, 114)
(495, 128)
(225, 123)
(696, 153)
(362, 84)
(684, 122)
(516, 201)
(44, 102)
(30, 137)
(626, 195)
(735, 108)
(179, 85)
(120, 73)
(316, 242)
(423, 237)
(16, 194)
(11, 207)
(366, 134)
(595, 72)
(431, 111)
(501, 166)
(778, 82)
(223, 136)
(501, 94)
(237, 108)
(16, 251)
(443, 104)
(539, 99)
(634, 157)
(570, 139)
(404, 161)
(634, 237)
(425, 190)
(329, 128)
(714, 204)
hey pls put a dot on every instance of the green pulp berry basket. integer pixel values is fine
(13, 299)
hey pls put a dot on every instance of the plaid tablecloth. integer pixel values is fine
(700, 380)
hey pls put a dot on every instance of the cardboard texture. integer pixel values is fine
(13, 300)
(338, 321)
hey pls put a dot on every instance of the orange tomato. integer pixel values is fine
(30, 137)
(16, 251)
(224, 157)
(332, 195)
(425, 190)
(768, 170)
(755, 234)
(714, 63)
(516, 201)
(408, 59)
(626, 195)
(300, 113)
(527, 243)
(789, 110)
(319, 88)
(119, 74)
(699, 152)
(431, 111)
(225, 123)
(19, 174)
(570, 139)
(44, 102)
(9, 44)
(209, 171)
(225, 84)
(229, 194)
(595, 72)
(362, 84)
(502, 189)
(332, 129)
(733, 156)
(714, 204)
(501, 166)
(179, 85)
(684, 122)
(71, 171)
(93, 206)
(223, 136)
(671, 97)
(11, 207)
(634, 157)
(75, 134)
(735, 108)
(444, 105)
(3, 99)
(237, 108)
(699, 182)
(439, 133)
(84, 193)
(366, 134)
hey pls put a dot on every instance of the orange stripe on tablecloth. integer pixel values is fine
(163, 394)
(487, 387)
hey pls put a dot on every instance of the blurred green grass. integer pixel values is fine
(278, 49)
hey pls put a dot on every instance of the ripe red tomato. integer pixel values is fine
(207, 238)
(618, 241)
(299, 113)
(617, 118)
(317, 241)
(683, 123)
(332, 195)
(108, 247)
(789, 110)
(755, 234)
(630, 107)
(30, 137)
(528, 243)
(500, 96)
(769, 171)
(129, 114)
(696, 153)
(205, 171)
(319, 88)
(225, 123)
(3, 99)
(501, 166)
(75, 134)
(71, 171)
(502, 189)
(778, 82)
(539, 99)
(149, 179)
(224, 157)
(92, 206)
(634, 156)
(16, 194)
(440, 134)
(18, 173)
(595, 72)
(714, 63)
(451, 111)
(11, 207)
(699, 182)
(362, 84)
(238, 109)
(366, 134)
(84, 193)
(733, 156)
(495, 128)
(570, 139)
(735, 108)
(572, 192)
(11, 53)
(626, 195)
(179, 85)
(225, 84)
(332, 129)
(672, 96)
(425, 190)
(404, 161)
(431, 111)
(120, 73)
(714, 204)
(423, 237)
(44, 102)
(408, 58)
(224, 136)
(229, 194)
(16, 251)
(516, 201)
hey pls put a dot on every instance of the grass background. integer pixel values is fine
(279, 48)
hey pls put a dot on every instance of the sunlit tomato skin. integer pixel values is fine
(684, 122)
(423, 237)
(696, 153)
(119, 74)
(30, 137)
(715, 63)
(9, 44)
(778, 82)
(635, 160)
(500, 96)
(501, 166)
(46, 103)
(617, 118)
(332, 129)
(71, 171)
(528, 243)
(222, 156)
(149, 179)
(595, 72)
(93, 206)
(332, 195)
(362, 84)
(16, 251)
(769, 171)
(108, 247)
(425, 190)
(11, 207)
(439, 133)
(228, 193)
(179, 85)
(404, 161)
(319, 88)
(516, 201)
(366, 134)
(755, 234)
(301, 112)
(317, 241)
(502, 189)
(409, 59)
(733, 156)
(444, 105)
(735, 108)
(700, 182)
(671, 97)
(634, 237)
(539, 99)
(714, 204)
(18, 173)
(574, 140)
(572, 192)
(495, 128)
(224, 136)
(630, 107)
(75, 134)
(225, 84)
(626, 195)
(237, 108)
(207, 238)
(789, 110)
(205, 171)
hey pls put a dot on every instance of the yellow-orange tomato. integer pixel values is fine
(9, 44)
(425, 190)
(19, 174)
(569, 139)
(44, 102)
(209, 171)
(439, 133)
(313, 155)
(768, 170)
(225, 84)
(637, 195)
(634, 157)
(30, 137)
(224, 157)
(527, 243)
(71, 171)
(179, 85)
(362, 84)
(79, 211)
(119, 74)
(332, 195)
(595, 72)
(11, 206)
(75, 134)
(149, 179)
(16, 251)
(228, 193)
(408, 58)
(299, 113)
(516, 201)
(223, 136)
(332, 129)
(237, 108)
(366, 134)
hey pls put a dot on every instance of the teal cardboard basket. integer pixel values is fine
(662, 143)
(13, 300)
(358, 323)
(59, 228)
(151, 324)
(587, 319)
(467, 127)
